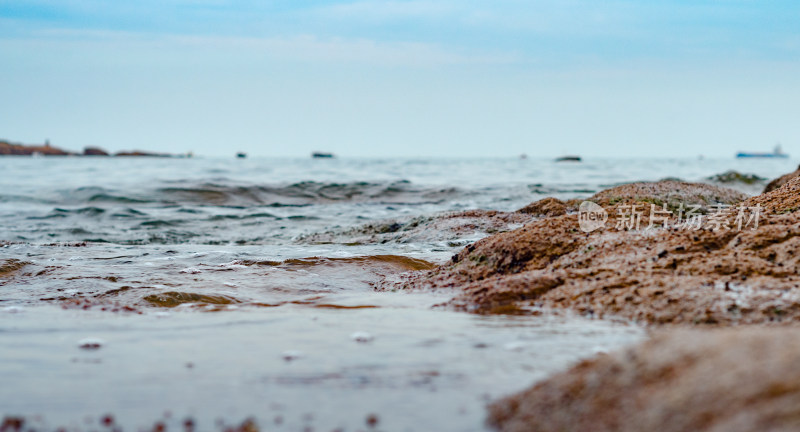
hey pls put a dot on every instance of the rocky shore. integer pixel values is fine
(733, 379)
(16, 149)
(702, 269)
(685, 260)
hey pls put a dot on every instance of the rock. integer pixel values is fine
(735, 177)
(669, 192)
(545, 207)
(452, 227)
(10, 266)
(783, 200)
(94, 151)
(7, 148)
(362, 337)
(711, 275)
(780, 181)
(139, 153)
(292, 355)
(737, 379)
(750, 184)
(91, 344)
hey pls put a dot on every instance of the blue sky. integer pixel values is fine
(403, 78)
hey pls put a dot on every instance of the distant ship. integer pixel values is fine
(322, 155)
(241, 155)
(569, 158)
(776, 153)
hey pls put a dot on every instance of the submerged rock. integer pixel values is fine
(735, 177)
(722, 270)
(11, 266)
(750, 184)
(446, 227)
(175, 298)
(741, 379)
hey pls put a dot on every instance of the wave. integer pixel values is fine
(176, 298)
(306, 193)
(398, 262)
(58, 212)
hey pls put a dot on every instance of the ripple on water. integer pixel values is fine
(175, 298)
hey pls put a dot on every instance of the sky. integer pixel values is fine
(416, 78)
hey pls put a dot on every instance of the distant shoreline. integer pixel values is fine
(16, 149)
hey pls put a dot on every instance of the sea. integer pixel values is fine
(209, 293)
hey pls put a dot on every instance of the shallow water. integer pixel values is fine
(423, 369)
(226, 289)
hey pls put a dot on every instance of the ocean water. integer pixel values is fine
(158, 290)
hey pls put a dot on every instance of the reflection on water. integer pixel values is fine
(418, 369)
(306, 340)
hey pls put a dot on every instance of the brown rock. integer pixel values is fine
(545, 207)
(94, 151)
(11, 266)
(7, 148)
(669, 192)
(742, 379)
(783, 200)
(711, 275)
(780, 181)
(141, 153)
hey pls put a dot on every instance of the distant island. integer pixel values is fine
(16, 149)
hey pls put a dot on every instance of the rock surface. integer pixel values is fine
(8, 148)
(452, 227)
(545, 207)
(742, 379)
(709, 273)
(94, 151)
(782, 180)
(141, 153)
(14, 149)
(735, 177)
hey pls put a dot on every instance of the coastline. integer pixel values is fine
(8, 148)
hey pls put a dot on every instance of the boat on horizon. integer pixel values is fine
(568, 158)
(776, 153)
(322, 155)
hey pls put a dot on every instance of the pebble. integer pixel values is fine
(291, 355)
(91, 343)
(362, 337)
